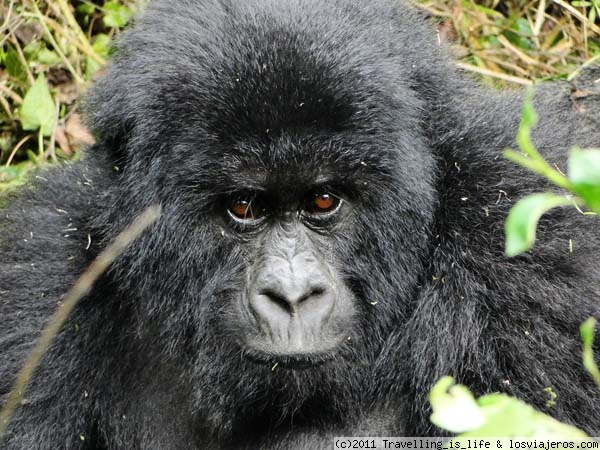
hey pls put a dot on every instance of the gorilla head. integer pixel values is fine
(331, 240)
(297, 196)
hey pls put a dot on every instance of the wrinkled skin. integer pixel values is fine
(331, 242)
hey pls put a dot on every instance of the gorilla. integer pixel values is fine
(331, 243)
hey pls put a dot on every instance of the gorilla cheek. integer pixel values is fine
(295, 303)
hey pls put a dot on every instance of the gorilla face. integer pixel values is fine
(294, 304)
(297, 195)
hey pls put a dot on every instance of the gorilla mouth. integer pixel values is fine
(294, 361)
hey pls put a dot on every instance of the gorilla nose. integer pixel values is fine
(290, 300)
(276, 299)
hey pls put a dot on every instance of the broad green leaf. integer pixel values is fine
(508, 416)
(587, 336)
(492, 415)
(38, 109)
(454, 407)
(584, 174)
(116, 15)
(523, 218)
(523, 28)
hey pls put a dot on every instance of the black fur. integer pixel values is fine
(198, 92)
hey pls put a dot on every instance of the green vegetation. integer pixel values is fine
(494, 415)
(582, 185)
(518, 41)
(456, 410)
(51, 51)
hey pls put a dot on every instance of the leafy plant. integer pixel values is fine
(50, 51)
(587, 336)
(38, 110)
(582, 184)
(455, 409)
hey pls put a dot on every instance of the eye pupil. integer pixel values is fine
(324, 201)
(246, 210)
(321, 203)
(241, 209)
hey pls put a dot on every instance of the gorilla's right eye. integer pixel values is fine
(246, 210)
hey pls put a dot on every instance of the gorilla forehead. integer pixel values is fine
(235, 72)
(278, 91)
(281, 113)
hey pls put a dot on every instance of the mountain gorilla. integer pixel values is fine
(331, 241)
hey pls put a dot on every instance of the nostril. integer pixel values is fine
(277, 298)
(316, 292)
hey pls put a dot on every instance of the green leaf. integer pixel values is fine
(31, 50)
(13, 64)
(587, 332)
(489, 11)
(587, 336)
(529, 119)
(116, 15)
(493, 415)
(584, 174)
(14, 175)
(85, 9)
(38, 109)
(101, 46)
(48, 57)
(454, 407)
(532, 159)
(521, 224)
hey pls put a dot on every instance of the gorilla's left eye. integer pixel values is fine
(246, 210)
(322, 203)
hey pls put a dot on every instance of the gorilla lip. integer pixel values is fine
(289, 361)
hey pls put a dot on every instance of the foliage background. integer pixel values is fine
(52, 50)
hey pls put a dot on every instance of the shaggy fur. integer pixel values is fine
(199, 92)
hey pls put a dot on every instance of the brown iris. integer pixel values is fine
(322, 203)
(246, 209)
